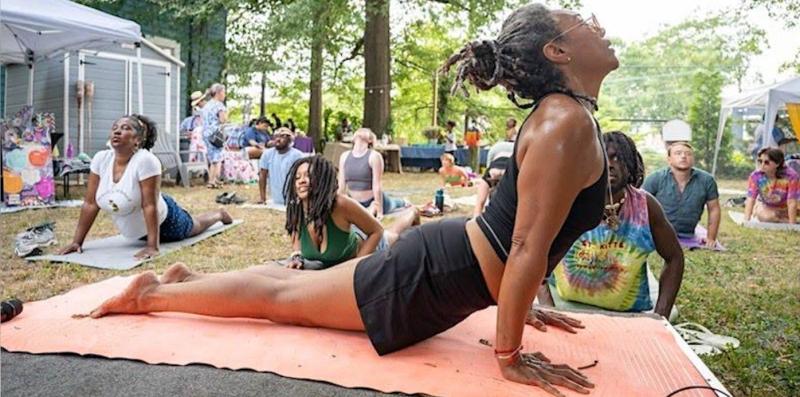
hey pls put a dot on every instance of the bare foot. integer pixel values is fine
(129, 301)
(177, 273)
(226, 217)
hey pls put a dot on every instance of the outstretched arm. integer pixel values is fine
(89, 211)
(714, 216)
(150, 196)
(669, 248)
(376, 162)
(358, 215)
(556, 137)
(262, 185)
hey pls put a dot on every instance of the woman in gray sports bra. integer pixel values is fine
(361, 175)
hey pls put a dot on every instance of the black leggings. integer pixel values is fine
(426, 283)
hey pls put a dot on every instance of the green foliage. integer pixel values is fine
(655, 77)
(704, 117)
(739, 165)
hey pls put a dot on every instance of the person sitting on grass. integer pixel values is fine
(683, 191)
(256, 138)
(452, 175)
(274, 166)
(361, 176)
(606, 267)
(772, 190)
(329, 227)
(125, 182)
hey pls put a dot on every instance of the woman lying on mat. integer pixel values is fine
(439, 273)
(361, 175)
(776, 188)
(452, 175)
(124, 181)
(328, 228)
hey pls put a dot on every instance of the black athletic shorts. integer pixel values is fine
(427, 282)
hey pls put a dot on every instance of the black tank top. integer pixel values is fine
(497, 221)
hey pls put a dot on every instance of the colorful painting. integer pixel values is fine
(27, 159)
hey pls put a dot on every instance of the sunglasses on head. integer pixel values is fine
(590, 21)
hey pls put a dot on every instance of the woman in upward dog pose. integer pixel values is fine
(557, 60)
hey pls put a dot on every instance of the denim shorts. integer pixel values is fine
(178, 224)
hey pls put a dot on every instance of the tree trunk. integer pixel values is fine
(315, 83)
(262, 105)
(378, 83)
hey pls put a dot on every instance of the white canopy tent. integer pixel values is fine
(770, 98)
(31, 30)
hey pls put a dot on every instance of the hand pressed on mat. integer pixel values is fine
(73, 247)
(540, 319)
(537, 370)
(147, 253)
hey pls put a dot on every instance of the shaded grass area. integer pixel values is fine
(751, 292)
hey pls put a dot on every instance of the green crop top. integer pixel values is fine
(342, 245)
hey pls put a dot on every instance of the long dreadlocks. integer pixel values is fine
(321, 195)
(628, 155)
(514, 60)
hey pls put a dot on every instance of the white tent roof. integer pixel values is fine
(771, 98)
(42, 28)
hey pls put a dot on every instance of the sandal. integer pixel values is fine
(703, 341)
(225, 198)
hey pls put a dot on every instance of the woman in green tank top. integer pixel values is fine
(328, 228)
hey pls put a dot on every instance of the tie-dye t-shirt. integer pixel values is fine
(607, 268)
(774, 194)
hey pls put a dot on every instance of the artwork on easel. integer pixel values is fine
(28, 159)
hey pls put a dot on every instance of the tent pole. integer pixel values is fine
(30, 84)
(140, 98)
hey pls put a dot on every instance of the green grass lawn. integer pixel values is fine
(751, 292)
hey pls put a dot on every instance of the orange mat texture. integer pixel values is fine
(636, 356)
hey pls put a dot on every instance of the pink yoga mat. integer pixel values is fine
(638, 356)
(698, 241)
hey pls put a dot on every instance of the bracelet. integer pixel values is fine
(508, 356)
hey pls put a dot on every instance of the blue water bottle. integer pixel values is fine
(440, 200)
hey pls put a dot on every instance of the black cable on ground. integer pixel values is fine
(698, 387)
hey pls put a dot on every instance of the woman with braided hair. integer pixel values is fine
(327, 227)
(439, 273)
(125, 181)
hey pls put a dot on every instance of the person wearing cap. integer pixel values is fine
(684, 191)
(274, 166)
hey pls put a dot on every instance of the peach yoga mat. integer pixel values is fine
(637, 356)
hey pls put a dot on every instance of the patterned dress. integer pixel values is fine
(776, 193)
(607, 268)
(211, 123)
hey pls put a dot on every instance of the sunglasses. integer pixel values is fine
(765, 161)
(590, 22)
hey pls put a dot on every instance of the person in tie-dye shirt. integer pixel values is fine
(606, 267)
(773, 189)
